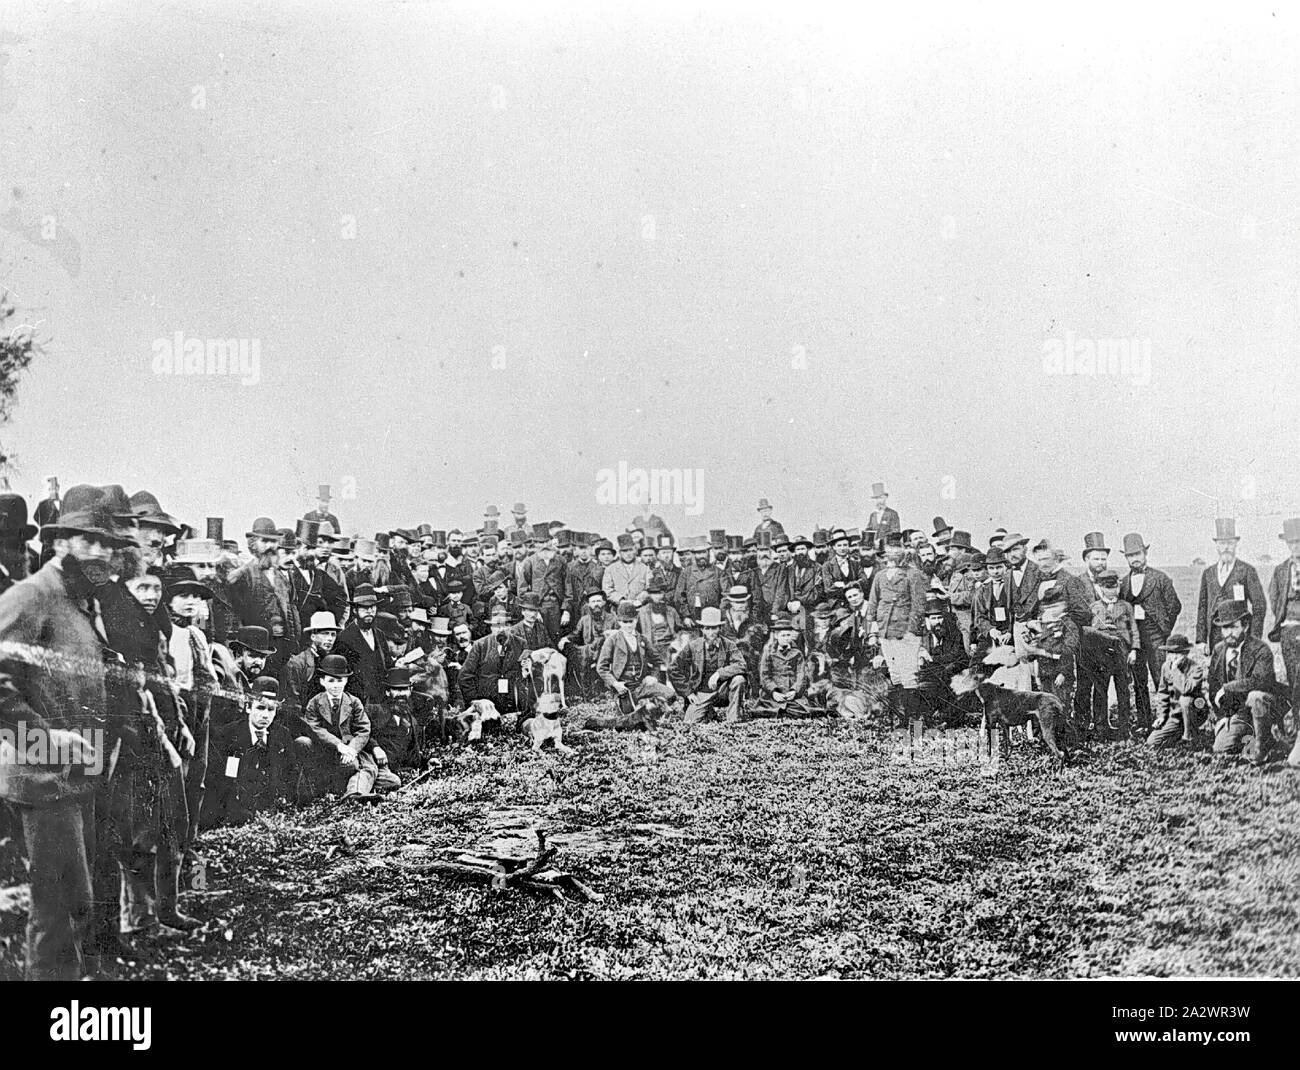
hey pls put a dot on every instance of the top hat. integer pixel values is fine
(1230, 610)
(334, 665)
(519, 509)
(263, 528)
(541, 532)
(960, 540)
(941, 527)
(763, 503)
(13, 517)
(517, 537)
(625, 541)
(1095, 540)
(215, 526)
(381, 542)
(255, 639)
(710, 617)
(877, 490)
(307, 532)
(364, 595)
(1133, 543)
(1177, 643)
(266, 688)
(735, 542)
(1290, 529)
(322, 621)
(419, 615)
(85, 512)
(819, 537)
(1225, 528)
(894, 540)
(763, 540)
(365, 548)
(935, 604)
(996, 556)
(564, 537)
(323, 491)
(717, 538)
(424, 531)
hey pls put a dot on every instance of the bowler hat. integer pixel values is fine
(1290, 529)
(1133, 543)
(530, 600)
(1095, 540)
(934, 604)
(440, 627)
(996, 556)
(626, 611)
(13, 517)
(491, 510)
(254, 639)
(263, 528)
(288, 540)
(763, 503)
(519, 509)
(1230, 610)
(604, 544)
(399, 676)
(322, 621)
(1225, 528)
(783, 622)
(710, 617)
(334, 665)
(978, 559)
(1178, 643)
(1014, 539)
(180, 579)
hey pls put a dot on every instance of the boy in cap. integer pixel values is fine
(1113, 624)
(337, 749)
(454, 608)
(254, 764)
(782, 673)
(1180, 697)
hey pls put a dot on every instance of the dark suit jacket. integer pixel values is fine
(883, 523)
(982, 616)
(1279, 592)
(484, 666)
(1254, 670)
(1211, 594)
(615, 656)
(369, 667)
(263, 777)
(687, 670)
(1158, 600)
(1026, 594)
(1078, 605)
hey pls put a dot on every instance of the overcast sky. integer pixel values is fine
(488, 250)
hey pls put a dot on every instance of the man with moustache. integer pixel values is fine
(579, 574)
(1245, 696)
(772, 590)
(260, 594)
(1023, 577)
(625, 580)
(766, 524)
(699, 587)
(544, 578)
(803, 585)
(1156, 606)
(492, 669)
(582, 645)
(1229, 580)
(884, 520)
(739, 571)
(364, 648)
(667, 570)
(321, 514)
(841, 568)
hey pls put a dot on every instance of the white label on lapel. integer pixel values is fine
(503, 687)
(1139, 613)
(1238, 592)
(1000, 614)
(232, 767)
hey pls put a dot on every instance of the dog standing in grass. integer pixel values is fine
(1005, 708)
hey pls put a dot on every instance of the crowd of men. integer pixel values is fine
(184, 681)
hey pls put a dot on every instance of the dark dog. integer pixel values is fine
(1004, 708)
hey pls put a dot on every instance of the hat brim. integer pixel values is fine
(100, 535)
(189, 587)
(251, 649)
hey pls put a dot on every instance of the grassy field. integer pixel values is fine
(772, 849)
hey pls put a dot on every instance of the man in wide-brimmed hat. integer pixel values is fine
(1230, 579)
(60, 695)
(1156, 607)
(1242, 687)
(299, 678)
(1180, 700)
(709, 672)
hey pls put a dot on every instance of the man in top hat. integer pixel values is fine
(1156, 606)
(260, 594)
(1242, 686)
(364, 648)
(314, 588)
(765, 521)
(1229, 580)
(884, 520)
(299, 681)
(254, 766)
(941, 657)
(625, 580)
(709, 672)
(1180, 699)
(63, 694)
(321, 514)
(1284, 598)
